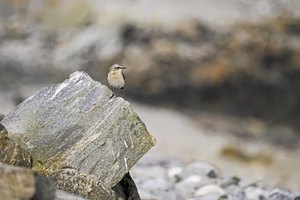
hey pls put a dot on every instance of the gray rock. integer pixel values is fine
(155, 186)
(212, 196)
(228, 181)
(72, 181)
(126, 188)
(174, 174)
(278, 194)
(255, 193)
(189, 185)
(196, 186)
(194, 176)
(16, 183)
(155, 171)
(208, 189)
(22, 183)
(1, 117)
(44, 188)
(3, 131)
(62, 195)
(296, 196)
(235, 192)
(76, 125)
(200, 168)
(172, 194)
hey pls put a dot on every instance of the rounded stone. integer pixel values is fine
(200, 168)
(278, 194)
(174, 174)
(208, 189)
(255, 193)
(189, 185)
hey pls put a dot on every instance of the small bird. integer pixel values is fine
(116, 77)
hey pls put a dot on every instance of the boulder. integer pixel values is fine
(77, 126)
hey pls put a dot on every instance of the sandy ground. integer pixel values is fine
(179, 137)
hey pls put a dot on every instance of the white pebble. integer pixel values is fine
(175, 171)
(209, 189)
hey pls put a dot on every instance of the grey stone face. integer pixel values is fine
(76, 125)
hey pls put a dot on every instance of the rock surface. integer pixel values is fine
(62, 195)
(126, 188)
(72, 181)
(76, 126)
(1, 117)
(11, 152)
(44, 188)
(18, 183)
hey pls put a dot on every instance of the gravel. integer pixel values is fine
(172, 179)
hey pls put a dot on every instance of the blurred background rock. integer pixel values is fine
(213, 80)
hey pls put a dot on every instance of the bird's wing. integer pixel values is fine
(123, 76)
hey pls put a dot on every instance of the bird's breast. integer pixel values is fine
(116, 79)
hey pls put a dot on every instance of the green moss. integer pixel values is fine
(49, 166)
(135, 119)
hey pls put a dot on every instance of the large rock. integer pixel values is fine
(75, 125)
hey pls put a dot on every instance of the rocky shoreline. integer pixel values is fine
(231, 65)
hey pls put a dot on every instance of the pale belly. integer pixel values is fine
(115, 81)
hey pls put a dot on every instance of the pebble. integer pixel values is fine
(155, 185)
(174, 174)
(189, 185)
(201, 169)
(254, 193)
(278, 194)
(208, 189)
(172, 180)
(228, 181)
(235, 192)
(149, 172)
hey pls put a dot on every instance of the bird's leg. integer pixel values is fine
(113, 95)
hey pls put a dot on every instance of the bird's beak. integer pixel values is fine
(122, 67)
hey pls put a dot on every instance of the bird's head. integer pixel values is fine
(117, 67)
